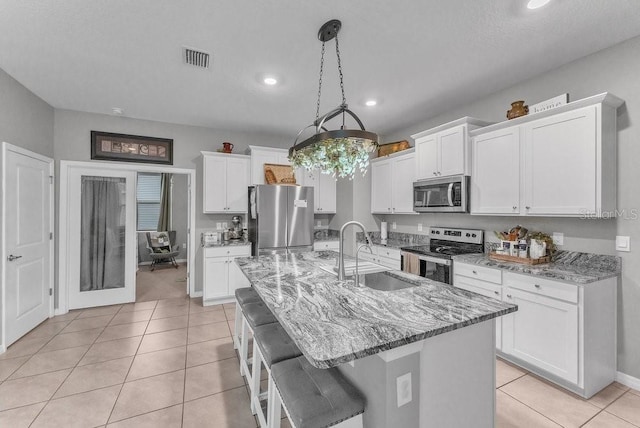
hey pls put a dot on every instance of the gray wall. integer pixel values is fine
(612, 70)
(72, 138)
(25, 119)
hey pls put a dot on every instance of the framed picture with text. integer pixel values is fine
(131, 148)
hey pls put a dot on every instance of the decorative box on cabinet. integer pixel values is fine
(324, 189)
(221, 275)
(562, 331)
(444, 151)
(557, 163)
(261, 155)
(392, 180)
(225, 182)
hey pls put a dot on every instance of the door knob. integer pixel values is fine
(12, 257)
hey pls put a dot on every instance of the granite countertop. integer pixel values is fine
(334, 322)
(575, 267)
(230, 243)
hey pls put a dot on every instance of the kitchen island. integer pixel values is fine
(423, 356)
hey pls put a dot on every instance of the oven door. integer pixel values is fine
(449, 194)
(433, 268)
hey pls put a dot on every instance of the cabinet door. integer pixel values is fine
(216, 278)
(543, 332)
(403, 178)
(381, 187)
(215, 184)
(236, 278)
(486, 289)
(426, 157)
(560, 157)
(325, 194)
(495, 179)
(237, 184)
(451, 151)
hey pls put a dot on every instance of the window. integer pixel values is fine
(148, 200)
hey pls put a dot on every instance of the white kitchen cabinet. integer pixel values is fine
(385, 256)
(324, 189)
(561, 331)
(495, 182)
(261, 155)
(444, 151)
(221, 276)
(562, 162)
(225, 182)
(392, 180)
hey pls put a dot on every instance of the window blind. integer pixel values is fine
(148, 200)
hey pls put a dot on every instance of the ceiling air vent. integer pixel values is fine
(196, 58)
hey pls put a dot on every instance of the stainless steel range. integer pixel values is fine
(433, 261)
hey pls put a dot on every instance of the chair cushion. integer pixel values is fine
(257, 313)
(315, 397)
(247, 295)
(275, 344)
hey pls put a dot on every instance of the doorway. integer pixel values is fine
(70, 260)
(162, 228)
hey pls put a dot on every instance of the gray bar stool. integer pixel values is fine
(243, 295)
(314, 397)
(271, 344)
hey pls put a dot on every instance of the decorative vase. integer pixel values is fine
(517, 109)
(227, 147)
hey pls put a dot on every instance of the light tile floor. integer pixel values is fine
(171, 363)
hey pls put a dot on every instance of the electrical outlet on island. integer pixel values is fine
(403, 389)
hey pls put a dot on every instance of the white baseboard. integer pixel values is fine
(2, 349)
(58, 311)
(630, 381)
(196, 294)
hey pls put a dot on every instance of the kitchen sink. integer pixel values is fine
(383, 282)
(350, 268)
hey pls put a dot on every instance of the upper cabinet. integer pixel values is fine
(260, 156)
(225, 182)
(324, 189)
(392, 180)
(560, 162)
(444, 151)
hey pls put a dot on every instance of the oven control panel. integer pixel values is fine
(471, 236)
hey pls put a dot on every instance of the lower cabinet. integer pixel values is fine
(221, 275)
(561, 331)
(385, 256)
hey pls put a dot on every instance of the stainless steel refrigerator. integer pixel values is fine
(280, 219)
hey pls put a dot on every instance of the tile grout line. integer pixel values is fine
(534, 410)
(129, 369)
(186, 356)
(614, 414)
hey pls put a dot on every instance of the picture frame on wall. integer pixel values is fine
(131, 148)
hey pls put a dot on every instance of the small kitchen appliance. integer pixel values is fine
(236, 231)
(435, 259)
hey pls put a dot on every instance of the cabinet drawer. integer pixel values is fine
(326, 245)
(486, 289)
(389, 262)
(365, 255)
(478, 272)
(391, 253)
(230, 251)
(542, 287)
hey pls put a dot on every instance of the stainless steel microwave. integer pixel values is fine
(446, 194)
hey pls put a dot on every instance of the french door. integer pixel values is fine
(101, 233)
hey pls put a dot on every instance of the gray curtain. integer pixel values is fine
(164, 219)
(102, 233)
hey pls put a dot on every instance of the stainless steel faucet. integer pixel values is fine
(356, 277)
(341, 273)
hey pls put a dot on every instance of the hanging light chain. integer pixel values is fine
(344, 99)
(320, 84)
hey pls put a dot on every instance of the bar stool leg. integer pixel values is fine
(237, 327)
(274, 405)
(254, 384)
(244, 346)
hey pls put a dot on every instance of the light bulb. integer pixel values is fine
(535, 4)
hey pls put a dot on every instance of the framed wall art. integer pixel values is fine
(131, 148)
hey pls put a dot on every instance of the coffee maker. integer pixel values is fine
(236, 230)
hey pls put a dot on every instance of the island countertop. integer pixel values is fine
(334, 322)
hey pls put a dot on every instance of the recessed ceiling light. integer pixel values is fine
(370, 103)
(117, 111)
(270, 81)
(535, 4)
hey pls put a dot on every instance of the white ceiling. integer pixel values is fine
(418, 58)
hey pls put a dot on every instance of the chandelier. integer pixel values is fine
(340, 152)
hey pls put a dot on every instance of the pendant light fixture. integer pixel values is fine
(342, 151)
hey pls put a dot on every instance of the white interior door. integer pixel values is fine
(101, 228)
(27, 247)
